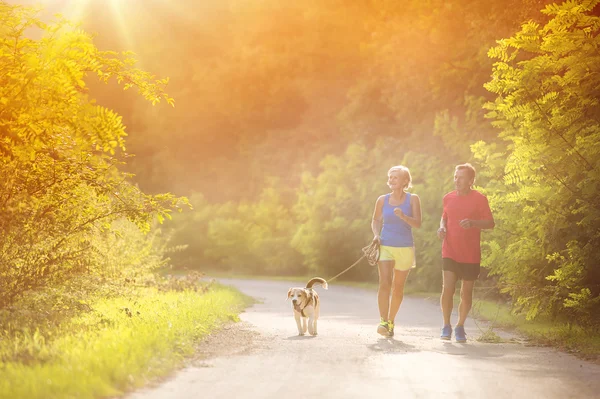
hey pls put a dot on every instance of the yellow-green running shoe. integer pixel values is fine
(382, 328)
(390, 328)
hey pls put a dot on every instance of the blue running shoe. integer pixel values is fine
(459, 334)
(446, 333)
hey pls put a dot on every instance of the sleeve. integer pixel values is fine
(485, 213)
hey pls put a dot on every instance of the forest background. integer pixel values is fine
(288, 116)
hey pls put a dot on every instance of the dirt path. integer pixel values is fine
(262, 357)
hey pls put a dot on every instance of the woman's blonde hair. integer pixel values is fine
(406, 171)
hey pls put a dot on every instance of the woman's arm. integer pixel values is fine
(376, 222)
(413, 221)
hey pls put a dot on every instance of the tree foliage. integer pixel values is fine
(547, 82)
(60, 153)
(288, 118)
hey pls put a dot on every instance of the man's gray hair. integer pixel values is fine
(467, 166)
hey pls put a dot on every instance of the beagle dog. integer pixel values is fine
(305, 302)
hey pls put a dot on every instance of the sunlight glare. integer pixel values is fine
(121, 21)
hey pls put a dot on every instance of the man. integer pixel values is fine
(466, 213)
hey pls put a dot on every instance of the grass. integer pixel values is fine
(121, 344)
(570, 337)
(372, 285)
(243, 276)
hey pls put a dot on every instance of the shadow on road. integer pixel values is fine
(473, 350)
(301, 337)
(391, 345)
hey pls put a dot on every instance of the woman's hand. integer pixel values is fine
(398, 212)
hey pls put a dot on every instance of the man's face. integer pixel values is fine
(462, 180)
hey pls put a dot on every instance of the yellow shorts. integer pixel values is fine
(404, 257)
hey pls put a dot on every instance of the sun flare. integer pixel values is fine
(81, 10)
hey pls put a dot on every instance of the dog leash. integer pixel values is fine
(371, 252)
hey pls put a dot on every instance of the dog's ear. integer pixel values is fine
(289, 293)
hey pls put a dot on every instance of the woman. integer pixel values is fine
(396, 214)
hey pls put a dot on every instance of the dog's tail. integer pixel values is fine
(314, 280)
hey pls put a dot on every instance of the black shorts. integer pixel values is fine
(463, 271)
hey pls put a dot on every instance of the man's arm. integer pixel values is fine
(486, 221)
(478, 224)
(441, 233)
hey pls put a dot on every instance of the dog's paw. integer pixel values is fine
(300, 334)
(314, 333)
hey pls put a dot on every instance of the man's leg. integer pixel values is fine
(397, 293)
(386, 269)
(447, 297)
(466, 301)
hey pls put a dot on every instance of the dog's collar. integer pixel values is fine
(299, 310)
(312, 299)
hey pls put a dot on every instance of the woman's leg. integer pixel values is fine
(386, 270)
(400, 277)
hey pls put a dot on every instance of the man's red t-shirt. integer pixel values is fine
(463, 245)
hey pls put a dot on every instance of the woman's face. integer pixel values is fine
(397, 180)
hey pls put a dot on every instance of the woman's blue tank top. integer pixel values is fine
(396, 232)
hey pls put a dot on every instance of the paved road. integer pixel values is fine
(349, 360)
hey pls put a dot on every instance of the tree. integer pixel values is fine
(547, 82)
(60, 152)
